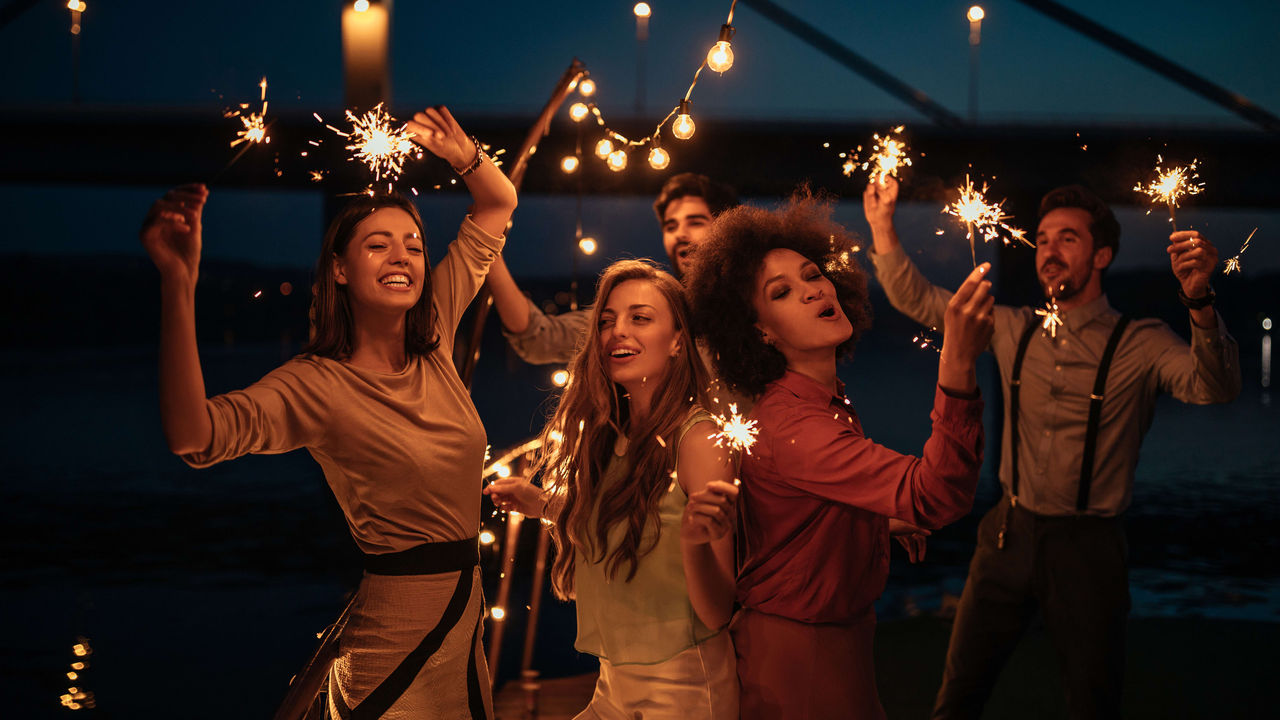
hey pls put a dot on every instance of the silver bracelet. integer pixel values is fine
(480, 157)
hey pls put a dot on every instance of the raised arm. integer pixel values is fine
(493, 194)
(706, 530)
(908, 291)
(171, 236)
(1210, 372)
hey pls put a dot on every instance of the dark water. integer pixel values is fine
(201, 591)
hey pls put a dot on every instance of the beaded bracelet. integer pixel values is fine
(480, 157)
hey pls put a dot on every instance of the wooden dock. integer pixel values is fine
(552, 698)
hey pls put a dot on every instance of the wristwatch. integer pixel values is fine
(1203, 301)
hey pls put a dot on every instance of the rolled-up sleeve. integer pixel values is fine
(550, 338)
(1207, 372)
(908, 290)
(286, 410)
(820, 452)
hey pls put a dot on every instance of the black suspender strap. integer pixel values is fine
(1015, 384)
(1095, 414)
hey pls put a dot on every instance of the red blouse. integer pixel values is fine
(817, 495)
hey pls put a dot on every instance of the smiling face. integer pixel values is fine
(384, 264)
(796, 306)
(1067, 265)
(685, 224)
(638, 336)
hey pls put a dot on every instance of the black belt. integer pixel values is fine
(426, 559)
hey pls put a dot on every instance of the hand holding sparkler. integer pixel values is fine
(517, 494)
(710, 513)
(966, 331)
(435, 129)
(171, 232)
(1193, 259)
(879, 201)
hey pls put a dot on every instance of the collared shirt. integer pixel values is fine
(817, 495)
(1058, 375)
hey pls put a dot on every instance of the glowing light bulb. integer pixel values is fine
(587, 87)
(976, 13)
(578, 111)
(560, 378)
(497, 613)
(487, 537)
(569, 164)
(360, 5)
(603, 148)
(683, 127)
(659, 159)
(617, 160)
(720, 57)
(642, 10)
(504, 471)
(75, 5)
(587, 245)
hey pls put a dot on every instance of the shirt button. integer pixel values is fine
(1058, 368)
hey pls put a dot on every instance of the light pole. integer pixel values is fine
(642, 11)
(975, 16)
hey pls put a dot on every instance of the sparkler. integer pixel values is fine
(983, 218)
(255, 124)
(735, 431)
(888, 153)
(1052, 317)
(378, 142)
(1233, 263)
(1170, 185)
(925, 339)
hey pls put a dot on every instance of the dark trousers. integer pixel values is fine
(1074, 570)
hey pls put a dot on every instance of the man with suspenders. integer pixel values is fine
(1079, 396)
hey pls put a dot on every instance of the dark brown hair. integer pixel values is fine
(723, 280)
(333, 331)
(718, 196)
(1103, 225)
(579, 439)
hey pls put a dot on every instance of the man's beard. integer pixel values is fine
(1066, 286)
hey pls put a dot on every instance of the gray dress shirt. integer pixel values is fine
(1058, 376)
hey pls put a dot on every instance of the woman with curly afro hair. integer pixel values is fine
(778, 298)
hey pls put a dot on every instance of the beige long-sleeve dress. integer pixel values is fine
(403, 453)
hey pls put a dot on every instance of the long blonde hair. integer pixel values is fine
(578, 442)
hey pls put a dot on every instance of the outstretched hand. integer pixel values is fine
(516, 494)
(435, 129)
(171, 232)
(879, 201)
(709, 515)
(1193, 259)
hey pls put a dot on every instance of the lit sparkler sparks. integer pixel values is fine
(735, 431)
(888, 153)
(1052, 317)
(925, 339)
(378, 142)
(255, 123)
(1233, 263)
(983, 218)
(1170, 185)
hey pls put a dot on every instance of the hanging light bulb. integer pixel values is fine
(360, 5)
(683, 127)
(569, 164)
(618, 160)
(720, 56)
(587, 87)
(560, 378)
(976, 13)
(578, 111)
(659, 159)
(587, 245)
(603, 148)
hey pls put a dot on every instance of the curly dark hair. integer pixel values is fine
(723, 280)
